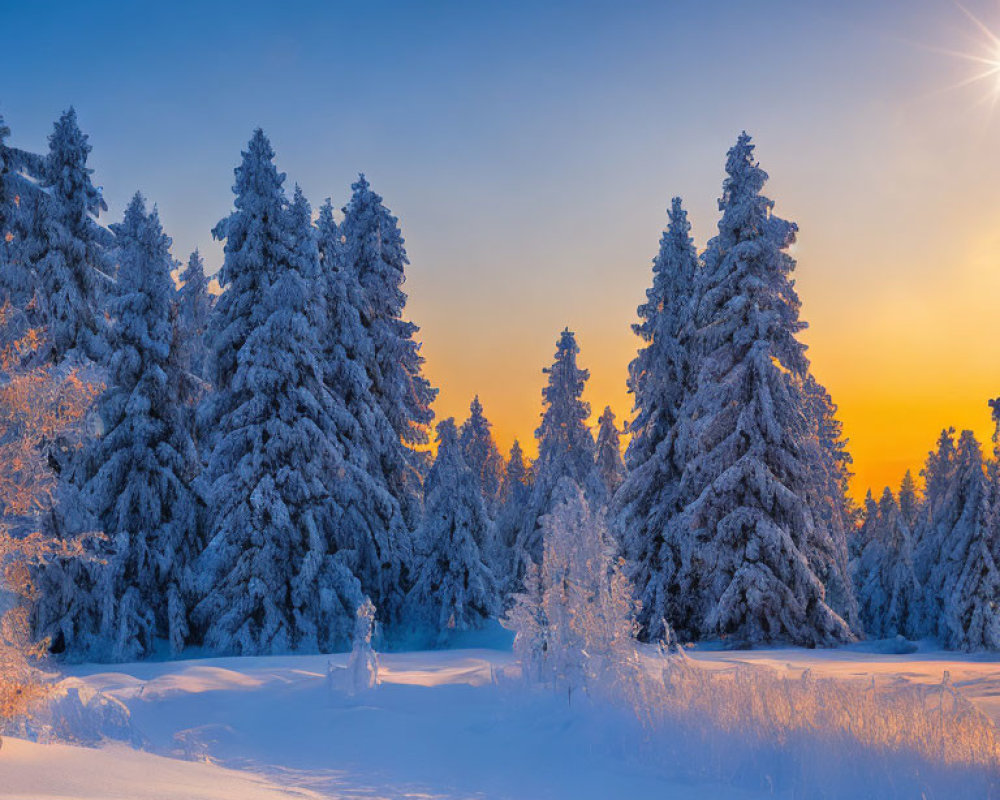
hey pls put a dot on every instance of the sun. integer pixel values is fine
(987, 59)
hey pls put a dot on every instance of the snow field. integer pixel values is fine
(461, 724)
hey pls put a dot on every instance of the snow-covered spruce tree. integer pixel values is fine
(194, 306)
(575, 621)
(189, 314)
(660, 378)
(142, 466)
(609, 464)
(453, 588)
(16, 284)
(68, 253)
(933, 524)
(909, 502)
(886, 584)
(747, 527)
(20, 175)
(516, 477)
(482, 455)
(834, 512)
(372, 248)
(965, 584)
(373, 534)
(936, 519)
(270, 578)
(515, 491)
(565, 448)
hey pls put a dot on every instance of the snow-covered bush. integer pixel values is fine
(36, 405)
(362, 666)
(574, 622)
(77, 714)
(746, 725)
(806, 730)
(795, 735)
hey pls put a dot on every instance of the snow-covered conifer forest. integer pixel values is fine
(189, 474)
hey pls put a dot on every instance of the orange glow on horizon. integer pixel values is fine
(906, 344)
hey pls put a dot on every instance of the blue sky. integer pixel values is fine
(531, 150)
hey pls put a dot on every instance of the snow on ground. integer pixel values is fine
(976, 675)
(437, 727)
(118, 772)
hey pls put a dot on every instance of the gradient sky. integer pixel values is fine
(531, 150)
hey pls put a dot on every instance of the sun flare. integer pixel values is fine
(986, 58)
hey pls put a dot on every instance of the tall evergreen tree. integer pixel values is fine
(15, 284)
(272, 578)
(453, 588)
(194, 306)
(374, 533)
(516, 476)
(747, 527)
(515, 492)
(962, 582)
(660, 378)
(834, 512)
(886, 582)
(972, 618)
(610, 467)
(372, 248)
(482, 456)
(909, 502)
(20, 193)
(565, 448)
(940, 510)
(68, 254)
(145, 460)
(133, 482)
(660, 374)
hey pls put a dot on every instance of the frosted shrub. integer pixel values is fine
(575, 620)
(745, 725)
(935, 723)
(362, 666)
(37, 405)
(807, 737)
